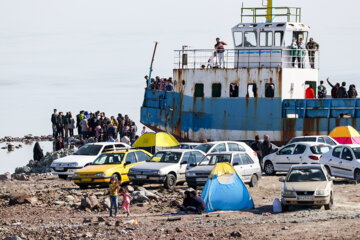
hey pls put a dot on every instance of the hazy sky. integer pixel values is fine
(93, 55)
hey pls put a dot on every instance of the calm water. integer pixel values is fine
(20, 157)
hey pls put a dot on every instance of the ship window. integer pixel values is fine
(251, 90)
(265, 39)
(216, 90)
(234, 90)
(250, 39)
(238, 38)
(269, 90)
(278, 38)
(199, 90)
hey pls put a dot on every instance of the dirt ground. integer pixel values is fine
(56, 215)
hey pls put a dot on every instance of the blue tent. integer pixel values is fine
(225, 191)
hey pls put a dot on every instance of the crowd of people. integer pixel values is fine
(337, 91)
(161, 84)
(93, 125)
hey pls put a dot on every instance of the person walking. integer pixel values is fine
(352, 93)
(38, 152)
(114, 188)
(257, 146)
(312, 47)
(322, 90)
(54, 118)
(220, 51)
(309, 93)
(341, 92)
(334, 88)
(126, 200)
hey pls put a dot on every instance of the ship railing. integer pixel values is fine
(248, 58)
(321, 108)
(254, 15)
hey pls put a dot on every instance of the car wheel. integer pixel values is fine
(253, 181)
(170, 181)
(63, 177)
(357, 176)
(329, 205)
(269, 168)
(328, 170)
(284, 207)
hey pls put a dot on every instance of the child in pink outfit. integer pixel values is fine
(126, 200)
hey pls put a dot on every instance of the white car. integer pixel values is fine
(292, 154)
(319, 139)
(63, 167)
(225, 146)
(343, 161)
(167, 167)
(246, 165)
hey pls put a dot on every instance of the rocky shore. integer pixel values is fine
(27, 139)
(45, 207)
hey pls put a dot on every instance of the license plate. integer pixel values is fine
(86, 180)
(201, 179)
(305, 198)
(141, 177)
(59, 169)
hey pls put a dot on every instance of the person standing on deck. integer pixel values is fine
(312, 47)
(341, 92)
(333, 88)
(301, 53)
(309, 93)
(322, 90)
(220, 50)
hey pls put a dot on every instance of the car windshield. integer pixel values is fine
(356, 151)
(214, 159)
(166, 157)
(306, 175)
(303, 139)
(89, 150)
(205, 147)
(114, 158)
(321, 149)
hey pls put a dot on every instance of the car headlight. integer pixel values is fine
(73, 164)
(76, 175)
(190, 174)
(320, 192)
(288, 192)
(100, 174)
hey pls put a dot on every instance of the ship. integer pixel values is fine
(259, 90)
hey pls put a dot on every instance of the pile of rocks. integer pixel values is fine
(29, 138)
(43, 166)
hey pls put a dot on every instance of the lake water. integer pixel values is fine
(20, 157)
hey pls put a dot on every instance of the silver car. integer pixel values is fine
(246, 166)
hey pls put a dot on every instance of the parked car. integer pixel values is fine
(319, 139)
(246, 165)
(224, 146)
(292, 154)
(188, 145)
(113, 164)
(307, 185)
(166, 167)
(343, 161)
(63, 167)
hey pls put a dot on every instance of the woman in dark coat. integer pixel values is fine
(38, 152)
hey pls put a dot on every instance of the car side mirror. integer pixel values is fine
(127, 163)
(281, 179)
(236, 164)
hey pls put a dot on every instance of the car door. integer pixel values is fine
(183, 165)
(346, 167)
(282, 158)
(297, 156)
(130, 161)
(334, 161)
(248, 167)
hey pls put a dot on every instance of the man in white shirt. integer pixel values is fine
(213, 61)
(143, 130)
